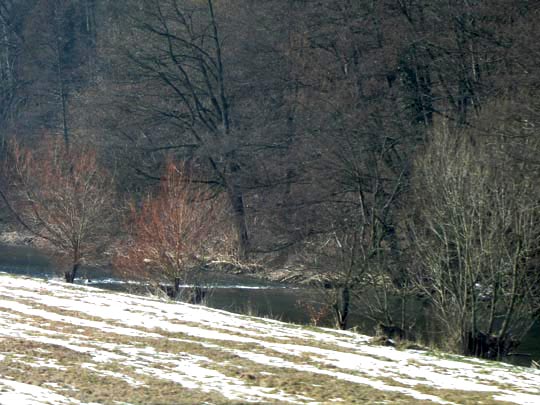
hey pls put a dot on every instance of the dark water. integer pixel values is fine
(233, 293)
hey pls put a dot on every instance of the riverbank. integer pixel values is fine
(66, 343)
(297, 276)
(236, 290)
(18, 238)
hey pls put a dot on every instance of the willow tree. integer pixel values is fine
(172, 231)
(62, 196)
(476, 239)
(181, 68)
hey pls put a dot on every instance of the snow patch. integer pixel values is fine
(353, 360)
(13, 392)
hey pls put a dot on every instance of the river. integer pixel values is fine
(229, 292)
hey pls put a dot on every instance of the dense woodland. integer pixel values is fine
(391, 146)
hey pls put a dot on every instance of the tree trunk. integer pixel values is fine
(71, 274)
(342, 308)
(236, 198)
(176, 287)
(237, 202)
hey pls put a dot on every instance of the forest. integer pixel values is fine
(390, 147)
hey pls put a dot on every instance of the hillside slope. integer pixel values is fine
(65, 344)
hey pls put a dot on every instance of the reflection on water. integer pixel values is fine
(229, 292)
(25, 261)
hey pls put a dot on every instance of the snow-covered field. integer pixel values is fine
(65, 344)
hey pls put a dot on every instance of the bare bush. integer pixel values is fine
(63, 196)
(476, 239)
(171, 232)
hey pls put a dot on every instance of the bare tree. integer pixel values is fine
(172, 231)
(11, 43)
(476, 238)
(352, 144)
(62, 196)
(181, 51)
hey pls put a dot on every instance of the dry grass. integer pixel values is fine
(159, 369)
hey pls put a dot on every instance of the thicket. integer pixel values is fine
(390, 147)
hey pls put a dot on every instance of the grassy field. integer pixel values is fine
(65, 344)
